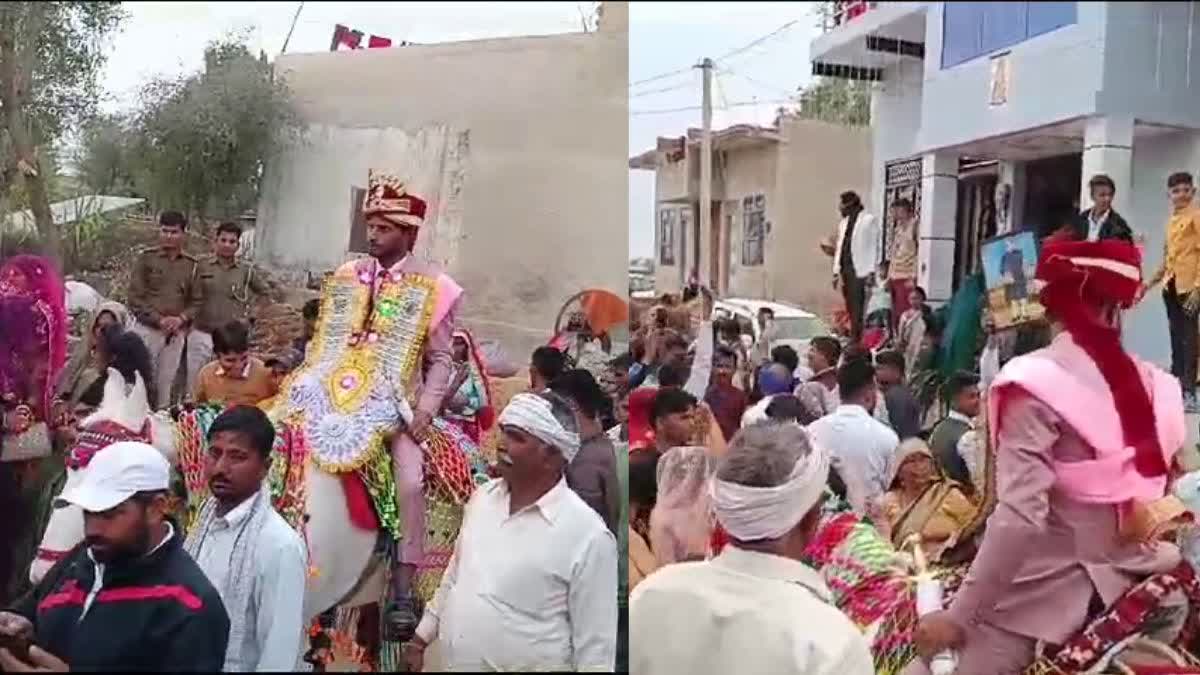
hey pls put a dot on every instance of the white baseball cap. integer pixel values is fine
(117, 473)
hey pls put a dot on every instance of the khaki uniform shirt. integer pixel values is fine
(161, 286)
(227, 291)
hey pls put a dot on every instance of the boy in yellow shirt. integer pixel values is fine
(1180, 272)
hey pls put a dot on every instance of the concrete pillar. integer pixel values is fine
(939, 211)
(1108, 149)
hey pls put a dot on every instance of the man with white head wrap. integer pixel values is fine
(756, 607)
(532, 584)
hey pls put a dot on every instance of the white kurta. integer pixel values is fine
(863, 449)
(275, 614)
(741, 612)
(532, 591)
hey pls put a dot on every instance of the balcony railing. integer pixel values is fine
(837, 14)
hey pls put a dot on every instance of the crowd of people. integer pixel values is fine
(680, 492)
(528, 580)
(1062, 442)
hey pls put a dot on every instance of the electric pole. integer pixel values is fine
(705, 273)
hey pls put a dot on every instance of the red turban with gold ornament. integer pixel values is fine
(387, 198)
(1082, 279)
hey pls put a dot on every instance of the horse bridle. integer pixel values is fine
(89, 442)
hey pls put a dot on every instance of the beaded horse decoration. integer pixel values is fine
(354, 384)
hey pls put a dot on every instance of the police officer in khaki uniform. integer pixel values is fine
(165, 297)
(229, 286)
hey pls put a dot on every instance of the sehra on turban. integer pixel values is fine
(533, 415)
(757, 513)
(387, 197)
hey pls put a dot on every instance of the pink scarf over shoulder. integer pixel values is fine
(1064, 378)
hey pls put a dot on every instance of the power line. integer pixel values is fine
(751, 45)
(736, 104)
(759, 83)
(758, 41)
(648, 92)
(663, 76)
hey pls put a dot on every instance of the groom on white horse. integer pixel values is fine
(383, 339)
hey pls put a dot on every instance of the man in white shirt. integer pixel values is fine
(532, 584)
(257, 562)
(863, 448)
(856, 257)
(755, 608)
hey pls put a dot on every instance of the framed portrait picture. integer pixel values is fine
(1009, 266)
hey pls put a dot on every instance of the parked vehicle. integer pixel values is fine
(795, 327)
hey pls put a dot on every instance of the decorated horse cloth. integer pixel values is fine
(453, 466)
(444, 505)
(873, 584)
(354, 384)
(1135, 614)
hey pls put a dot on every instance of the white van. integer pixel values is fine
(794, 326)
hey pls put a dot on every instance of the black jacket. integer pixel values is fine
(159, 613)
(1114, 227)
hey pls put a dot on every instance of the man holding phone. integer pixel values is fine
(128, 597)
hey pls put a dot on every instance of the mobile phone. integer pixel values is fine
(17, 645)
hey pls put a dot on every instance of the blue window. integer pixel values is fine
(1047, 16)
(972, 29)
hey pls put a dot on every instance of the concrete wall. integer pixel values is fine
(548, 125)
(670, 183)
(1152, 70)
(431, 159)
(1054, 77)
(817, 162)
(801, 178)
(1154, 158)
(895, 122)
(748, 172)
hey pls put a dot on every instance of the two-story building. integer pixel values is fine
(994, 115)
(774, 197)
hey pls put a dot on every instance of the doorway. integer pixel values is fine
(975, 221)
(1052, 192)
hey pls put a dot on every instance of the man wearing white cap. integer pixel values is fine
(128, 597)
(755, 608)
(532, 584)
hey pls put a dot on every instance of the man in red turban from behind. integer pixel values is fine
(1084, 434)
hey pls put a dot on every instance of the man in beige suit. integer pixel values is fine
(1084, 435)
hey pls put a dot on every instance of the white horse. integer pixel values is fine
(340, 553)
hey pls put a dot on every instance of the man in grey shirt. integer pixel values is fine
(592, 474)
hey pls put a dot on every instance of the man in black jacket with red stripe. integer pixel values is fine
(127, 598)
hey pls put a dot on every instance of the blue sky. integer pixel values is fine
(668, 36)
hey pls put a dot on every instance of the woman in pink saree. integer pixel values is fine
(33, 350)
